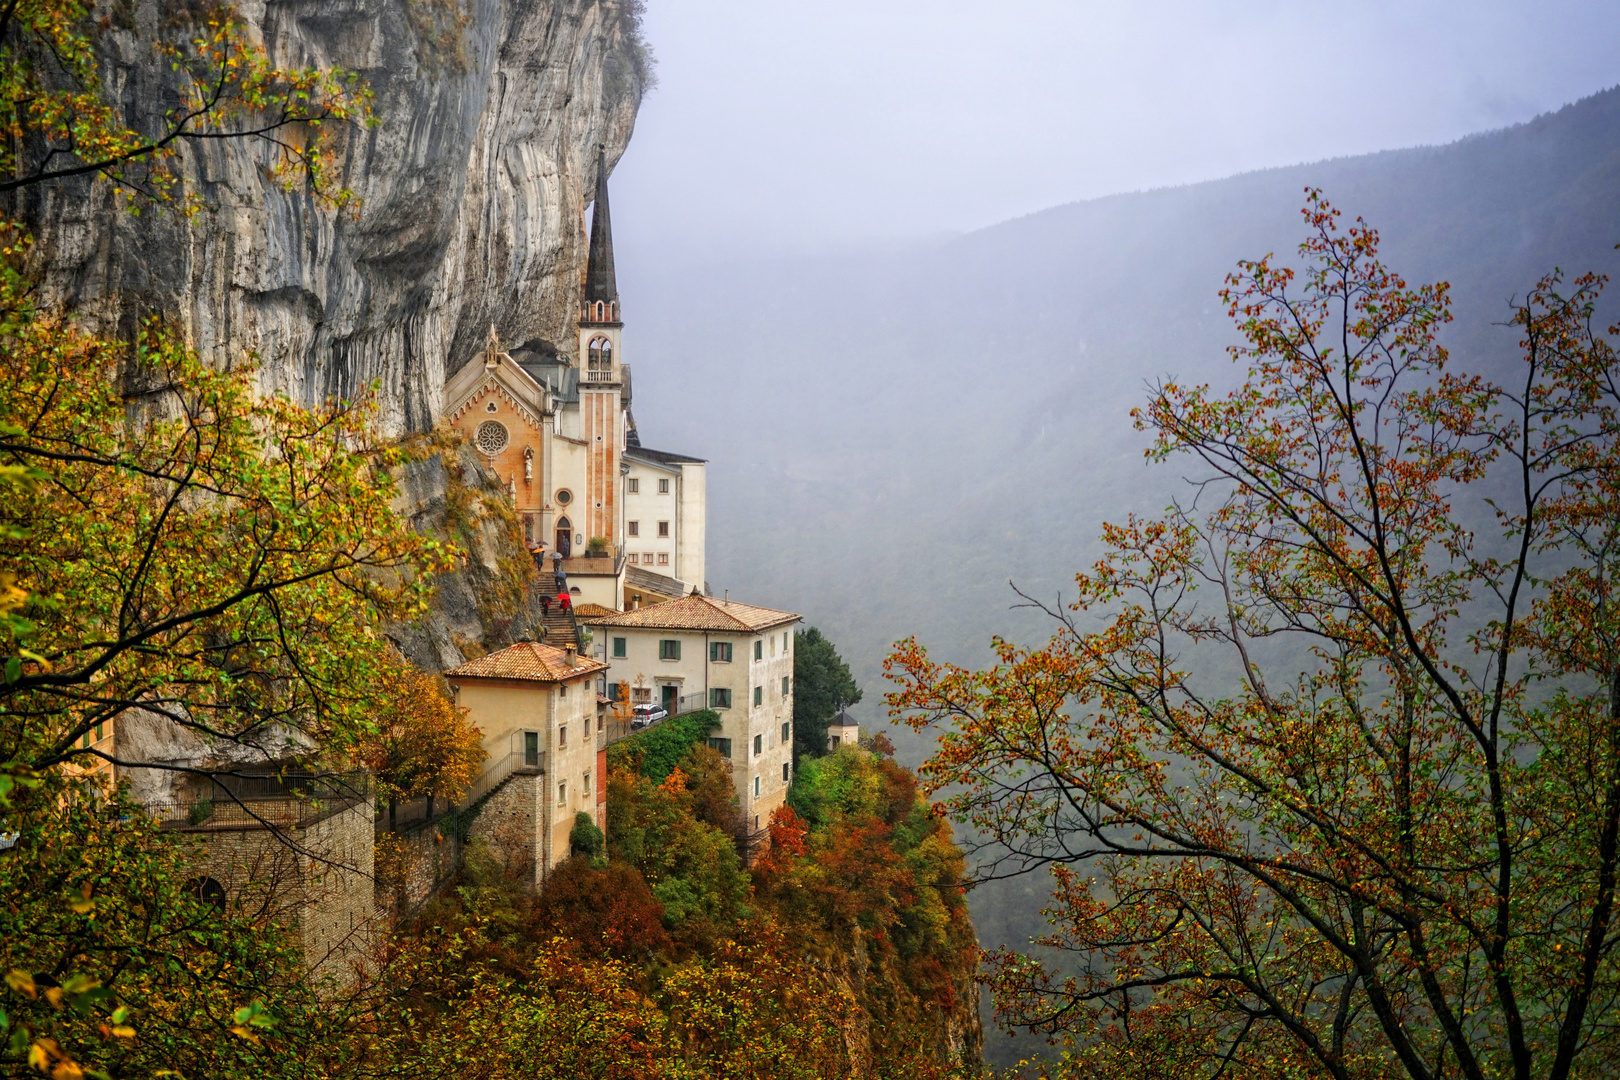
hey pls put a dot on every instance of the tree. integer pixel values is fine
(274, 639)
(822, 688)
(60, 124)
(1329, 786)
(424, 744)
(115, 960)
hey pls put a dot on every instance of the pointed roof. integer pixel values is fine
(527, 661)
(600, 284)
(699, 612)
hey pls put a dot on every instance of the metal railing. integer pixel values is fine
(613, 730)
(518, 761)
(268, 801)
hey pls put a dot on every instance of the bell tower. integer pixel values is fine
(600, 373)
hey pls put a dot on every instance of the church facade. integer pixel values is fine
(559, 431)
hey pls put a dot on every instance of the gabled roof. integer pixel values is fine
(527, 661)
(498, 373)
(592, 611)
(702, 613)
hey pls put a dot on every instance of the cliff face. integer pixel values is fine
(472, 187)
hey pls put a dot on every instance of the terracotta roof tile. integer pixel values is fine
(701, 613)
(527, 661)
(592, 611)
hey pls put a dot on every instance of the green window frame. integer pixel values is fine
(720, 652)
(669, 648)
(719, 697)
(621, 648)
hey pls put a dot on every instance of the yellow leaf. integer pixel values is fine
(22, 982)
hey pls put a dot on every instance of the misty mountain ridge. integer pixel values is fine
(895, 434)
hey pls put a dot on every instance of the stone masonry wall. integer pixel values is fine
(317, 881)
(513, 823)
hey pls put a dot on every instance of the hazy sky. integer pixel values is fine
(809, 123)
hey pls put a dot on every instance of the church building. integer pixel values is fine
(559, 431)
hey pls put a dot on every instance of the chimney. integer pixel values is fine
(572, 652)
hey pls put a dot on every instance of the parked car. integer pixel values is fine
(647, 715)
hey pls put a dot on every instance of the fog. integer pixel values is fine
(791, 124)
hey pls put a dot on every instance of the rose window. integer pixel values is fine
(491, 437)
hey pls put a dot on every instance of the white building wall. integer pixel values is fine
(742, 722)
(692, 535)
(646, 507)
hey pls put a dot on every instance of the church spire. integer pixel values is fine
(600, 284)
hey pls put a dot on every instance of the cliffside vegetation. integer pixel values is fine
(844, 951)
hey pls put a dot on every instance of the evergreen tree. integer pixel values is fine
(822, 688)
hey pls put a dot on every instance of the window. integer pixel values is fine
(585, 787)
(759, 695)
(633, 486)
(491, 437)
(669, 649)
(634, 528)
(759, 650)
(564, 497)
(785, 685)
(719, 698)
(663, 528)
(562, 736)
(785, 768)
(562, 691)
(621, 648)
(787, 733)
(531, 748)
(720, 652)
(641, 695)
(562, 793)
(786, 641)
(756, 795)
(663, 487)
(759, 745)
(663, 558)
(599, 356)
(721, 746)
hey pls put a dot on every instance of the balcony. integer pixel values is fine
(269, 801)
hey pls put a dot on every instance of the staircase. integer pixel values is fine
(561, 628)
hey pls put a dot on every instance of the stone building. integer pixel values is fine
(537, 708)
(844, 730)
(699, 652)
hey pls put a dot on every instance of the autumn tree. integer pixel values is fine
(822, 688)
(1325, 762)
(61, 123)
(424, 744)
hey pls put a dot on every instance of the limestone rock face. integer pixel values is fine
(472, 187)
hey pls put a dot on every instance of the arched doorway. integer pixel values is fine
(565, 536)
